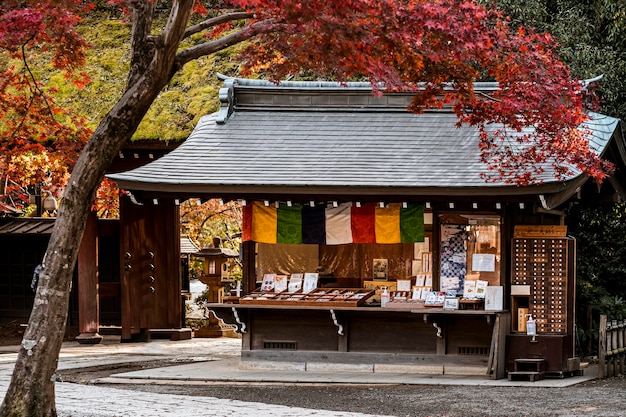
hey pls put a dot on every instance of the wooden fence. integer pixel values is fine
(611, 349)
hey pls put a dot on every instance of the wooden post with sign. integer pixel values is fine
(539, 231)
(602, 346)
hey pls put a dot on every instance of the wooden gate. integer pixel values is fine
(150, 267)
(611, 347)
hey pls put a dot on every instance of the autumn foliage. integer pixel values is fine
(202, 221)
(436, 49)
(39, 139)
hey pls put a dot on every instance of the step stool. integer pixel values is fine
(533, 369)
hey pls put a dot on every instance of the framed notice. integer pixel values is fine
(268, 282)
(481, 288)
(295, 283)
(310, 281)
(403, 284)
(428, 280)
(469, 289)
(451, 303)
(484, 262)
(381, 269)
(280, 283)
(417, 293)
(494, 298)
(420, 280)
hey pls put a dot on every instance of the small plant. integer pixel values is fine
(202, 299)
(614, 307)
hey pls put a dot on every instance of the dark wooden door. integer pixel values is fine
(150, 267)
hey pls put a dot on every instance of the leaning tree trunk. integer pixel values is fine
(31, 392)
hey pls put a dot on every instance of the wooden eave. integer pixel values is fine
(27, 226)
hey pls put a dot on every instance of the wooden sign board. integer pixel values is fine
(540, 231)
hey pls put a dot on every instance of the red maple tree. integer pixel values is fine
(436, 49)
(39, 140)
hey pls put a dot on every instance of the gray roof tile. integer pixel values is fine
(262, 145)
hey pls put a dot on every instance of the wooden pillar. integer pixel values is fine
(602, 346)
(249, 266)
(609, 349)
(622, 349)
(497, 355)
(88, 316)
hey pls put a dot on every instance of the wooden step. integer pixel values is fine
(530, 365)
(532, 376)
(172, 334)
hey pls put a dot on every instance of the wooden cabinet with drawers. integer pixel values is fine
(543, 281)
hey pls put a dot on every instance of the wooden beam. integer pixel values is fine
(88, 314)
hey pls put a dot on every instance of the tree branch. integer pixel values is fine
(142, 44)
(208, 48)
(174, 31)
(215, 21)
(215, 214)
(36, 92)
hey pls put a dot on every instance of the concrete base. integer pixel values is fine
(464, 370)
(110, 330)
(172, 334)
(272, 366)
(89, 338)
(409, 369)
(362, 368)
(208, 332)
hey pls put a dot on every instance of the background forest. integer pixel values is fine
(593, 39)
(592, 35)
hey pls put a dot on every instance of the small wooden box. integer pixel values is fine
(522, 318)
(377, 287)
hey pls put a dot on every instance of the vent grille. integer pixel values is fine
(280, 345)
(473, 350)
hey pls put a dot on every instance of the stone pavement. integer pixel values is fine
(76, 400)
(214, 361)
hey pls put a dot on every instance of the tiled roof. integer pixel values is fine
(210, 252)
(187, 246)
(27, 226)
(312, 138)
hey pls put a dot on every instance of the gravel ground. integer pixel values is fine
(604, 398)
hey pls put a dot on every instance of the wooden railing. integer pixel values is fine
(611, 349)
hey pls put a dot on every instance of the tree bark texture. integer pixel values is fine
(31, 391)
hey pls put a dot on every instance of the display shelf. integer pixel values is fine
(318, 296)
(474, 304)
(405, 304)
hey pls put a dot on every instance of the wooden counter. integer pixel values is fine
(363, 335)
